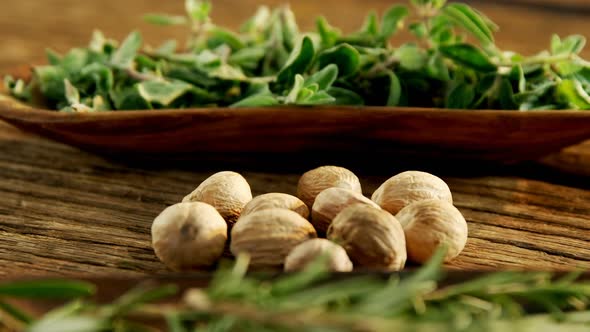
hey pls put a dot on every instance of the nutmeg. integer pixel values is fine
(408, 187)
(228, 192)
(372, 237)
(332, 201)
(428, 224)
(304, 254)
(268, 236)
(317, 180)
(188, 236)
(276, 200)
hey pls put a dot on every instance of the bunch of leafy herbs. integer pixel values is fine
(314, 300)
(453, 63)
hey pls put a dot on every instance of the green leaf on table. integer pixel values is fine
(460, 97)
(50, 80)
(46, 289)
(469, 56)
(572, 93)
(395, 90)
(328, 34)
(345, 97)
(323, 78)
(165, 19)
(411, 57)
(346, 57)
(163, 92)
(125, 54)
(298, 62)
(470, 20)
(197, 10)
(258, 22)
(393, 20)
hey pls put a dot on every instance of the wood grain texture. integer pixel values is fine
(67, 212)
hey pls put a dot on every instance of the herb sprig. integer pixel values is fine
(452, 63)
(314, 300)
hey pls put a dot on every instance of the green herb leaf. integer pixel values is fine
(259, 100)
(15, 312)
(125, 55)
(298, 62)
(469, 19)
(411, 57)
(46, 289)
(323, 78)
(346, 57)
(393, 20)
(162, 92)
(460, 97)
(573, 94)
(219, 36)
(198, 10)
(573, 44)
(70, 324)
(328, 34)
(345, 97)
(72, 94)
(395, 90)
(468, 55)
(293, 95)
(164, 19)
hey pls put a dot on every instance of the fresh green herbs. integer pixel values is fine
(452, 63)
(313, 300)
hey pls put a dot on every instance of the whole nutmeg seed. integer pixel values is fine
(228, 192)
(317, 180)
(430, 223)
(268, 236)
(330, 202)
(372, 237)
(189, 235)
(274, 201)
(409, 187)
(304, 254)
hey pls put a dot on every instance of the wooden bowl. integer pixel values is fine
(340, 134)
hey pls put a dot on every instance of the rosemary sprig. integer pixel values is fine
(452, 63)
(314, 300)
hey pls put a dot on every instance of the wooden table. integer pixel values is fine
(68, 212)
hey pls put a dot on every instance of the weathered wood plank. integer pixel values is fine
(66, 212)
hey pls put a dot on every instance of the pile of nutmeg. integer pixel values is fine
(408, 217)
